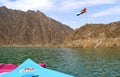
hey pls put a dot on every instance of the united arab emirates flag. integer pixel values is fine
(82, 12)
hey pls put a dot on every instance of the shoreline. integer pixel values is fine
(53, 46)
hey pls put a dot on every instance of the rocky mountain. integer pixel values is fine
(30, 28)
(95, 36)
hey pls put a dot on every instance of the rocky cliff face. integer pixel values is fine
(95, 36)
(30, 28)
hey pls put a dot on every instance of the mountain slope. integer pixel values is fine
(95, 36)
(30, 28)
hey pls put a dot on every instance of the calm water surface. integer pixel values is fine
(73, 61)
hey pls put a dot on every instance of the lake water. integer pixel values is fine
(74, 61)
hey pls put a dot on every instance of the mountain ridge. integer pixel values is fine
(95, 36)
(30, 28)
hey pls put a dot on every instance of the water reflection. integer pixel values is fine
(99, 62)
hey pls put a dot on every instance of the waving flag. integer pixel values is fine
(82, 12)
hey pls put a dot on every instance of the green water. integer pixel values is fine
(73, 61)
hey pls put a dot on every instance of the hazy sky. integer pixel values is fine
(64, 11)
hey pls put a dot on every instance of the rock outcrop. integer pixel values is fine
(95, 36)
(30, 28)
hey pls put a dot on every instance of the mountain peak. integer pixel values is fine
(30, 28)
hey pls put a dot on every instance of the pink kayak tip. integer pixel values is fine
(7, 67)
(42, 64)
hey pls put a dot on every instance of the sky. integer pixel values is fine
(64, 11)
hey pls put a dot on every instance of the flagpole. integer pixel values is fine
(86, 18)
